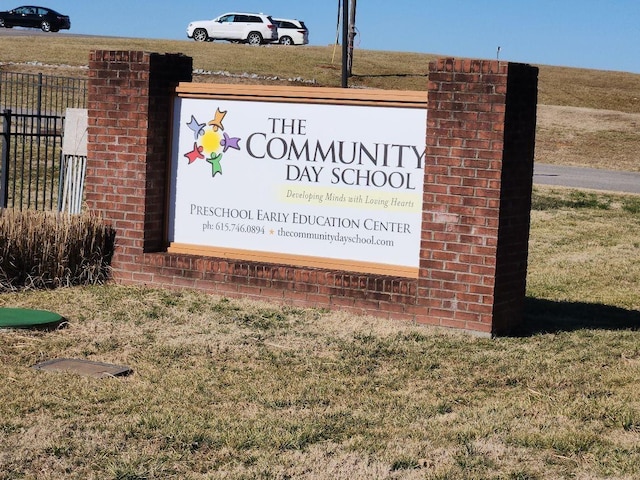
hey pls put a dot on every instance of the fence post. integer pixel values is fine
(39, 105)
(4, 168)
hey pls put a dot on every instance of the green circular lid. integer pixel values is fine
(28, 318)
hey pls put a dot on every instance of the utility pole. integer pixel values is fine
(345, 46)
(352, 35)
(348, 36)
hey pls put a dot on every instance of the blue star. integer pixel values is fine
(197, 128)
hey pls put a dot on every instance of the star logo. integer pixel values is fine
(196, 128)
(229, 142)
(211, 142)
(194, 154)
(214, 160)
(216, 123)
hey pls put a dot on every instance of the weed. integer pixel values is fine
(48, 250)
(554, 200)
(632, 205)
(522, 475)
(405, 463)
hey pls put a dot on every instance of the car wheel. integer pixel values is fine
(254, 38)
(200, 35)
(286, 41)
(45, 26)
(2, 23)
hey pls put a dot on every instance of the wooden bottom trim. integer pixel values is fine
(296, 260)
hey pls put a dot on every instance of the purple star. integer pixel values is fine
(229, 142)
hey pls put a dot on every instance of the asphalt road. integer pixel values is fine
(588, 178)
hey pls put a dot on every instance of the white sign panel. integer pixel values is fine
(297, 179)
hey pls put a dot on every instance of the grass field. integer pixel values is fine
(227, 389)
(585, 117)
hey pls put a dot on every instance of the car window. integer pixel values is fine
(287, 25)
(227, 18)
(241, 19)
(253, 19)
(42, 11)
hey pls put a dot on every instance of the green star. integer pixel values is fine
(214, 160)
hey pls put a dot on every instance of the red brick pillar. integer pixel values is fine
(477, 194)
(129, 119)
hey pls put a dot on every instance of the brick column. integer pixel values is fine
(515, 200)
(477, 195)
(129, 119)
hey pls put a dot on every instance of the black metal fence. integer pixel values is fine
(32, 113)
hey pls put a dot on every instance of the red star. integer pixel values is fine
(194, 154)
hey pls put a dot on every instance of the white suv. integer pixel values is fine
(292, 32)
(251, 28)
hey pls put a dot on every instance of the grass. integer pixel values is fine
(239, 390)
(49, 250)
(598, 89)
(572, 87)
(585, 117)
(242, 390)
(322, 65)
(588, 137)
(605, 269)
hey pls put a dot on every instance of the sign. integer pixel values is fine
(316, 184)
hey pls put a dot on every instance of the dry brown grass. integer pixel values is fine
(588, 137)
(600, 89)
(245, 390)
(319, 65)
(586, 117)
(49, 250)
(238, 390)
(605, 268)
(560, 86)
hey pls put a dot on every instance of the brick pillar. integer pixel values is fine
(515, 200)
(129, 120)
(477, 194)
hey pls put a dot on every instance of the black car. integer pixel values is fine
(35, 17)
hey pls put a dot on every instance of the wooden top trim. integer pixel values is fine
(321, 95)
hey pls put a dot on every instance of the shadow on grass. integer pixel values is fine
(546, 316)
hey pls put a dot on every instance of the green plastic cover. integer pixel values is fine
(27, 318)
